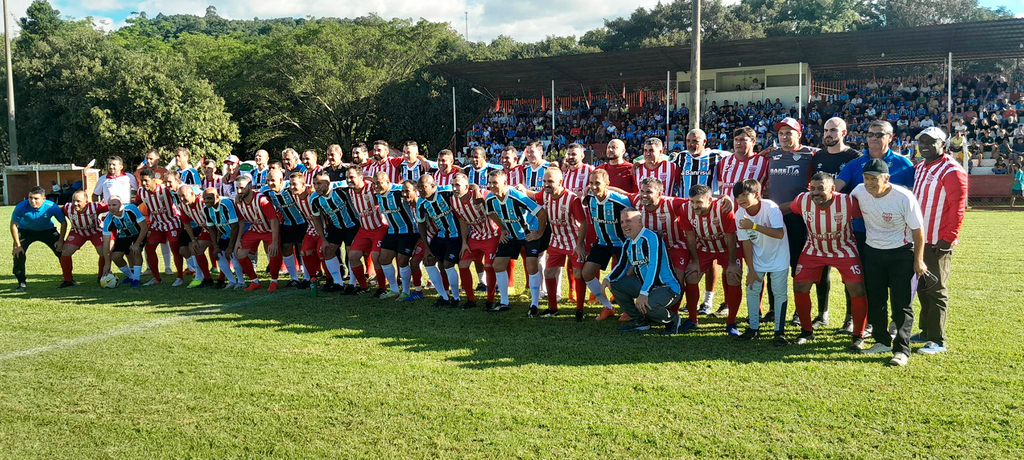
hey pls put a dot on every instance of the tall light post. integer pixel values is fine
(12, 133)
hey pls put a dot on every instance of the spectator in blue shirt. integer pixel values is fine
(31, 221)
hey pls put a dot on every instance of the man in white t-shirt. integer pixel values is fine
(115, 182)
(893, 258)
(765, 250)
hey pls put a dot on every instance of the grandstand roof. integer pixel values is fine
(976, 41)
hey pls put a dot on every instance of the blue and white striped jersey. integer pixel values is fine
(516, 212)
(190, 176)
(127, 225)
(335, 207)
(401, 218)
(285, 204)
(533, 178)
(479, 176)
(604, 215)
(221, 216)
(647, 255)
(698, 170)
(438, 209)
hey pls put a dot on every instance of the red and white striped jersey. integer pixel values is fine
(214, 182)
(163, 214)
(664, 218)
(576, 179)
(366, 207)
(709, 229)
(481, 227)
(515, 176)
(193, 213)
(732, 170)
(258, 212)
(565, 215)
(442, 179)
(941, 189)
(86, 222)
(306, 209)
(392, 166)
(310, 174)
(829, 231)
(666, 171)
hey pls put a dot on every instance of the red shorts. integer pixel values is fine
(310, 243)
(169, 236)
(79, 240)
(420, 249)
(368, 240)
(809, 268)
(706, 259)
(557, 257)
(481, 250)
(679, 257)
(251, 240)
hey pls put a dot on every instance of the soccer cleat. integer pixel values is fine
(390, 295)
(856, 345)
(469, 305)
(704, 308)
(409, 298)
(194, 284)
(333, 288)
(152, 282)
(768, 317)
(731, 330)
(847, 326)
(623, 318)
(304, 284)
(635, 326)
(533, 311)
(453, 303)
(135, 283)
(547, 313)
(780, 340)
(272, 287)
(67, 284)
(253, 286)
(804, 337)
(488, 305)
(168, 271)
(21, 287)
(796, 319)
(579, 316)
(723, 311)
(291, 284)
(917, 338)
(418, 295)
(206, 283)
(931, 348)
(876, 349)
(899, 359)
(605, 314)
(440, 303)
(480, 287)
(220, 284)
(687, 326)
(820, 322)
(379, 292)
(359, 291)
(749, 334)
(177, 282)
(499, 308)
(672, 327)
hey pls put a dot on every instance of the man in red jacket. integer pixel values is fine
(940, 186)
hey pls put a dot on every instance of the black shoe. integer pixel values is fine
(359, 291)
(704, 308)
(847, 326)
(856, 345)
(348, 290)
(469, 305)
(291, 284)
(780, 340)
(454, 303)
(22, 287)
(820, 322)
(488, 305)
(499, 308)
(672, 327)
(723, 311)
(379, 292)
(206, 283)
(304, 284)
(333, 288)
(67, 284)
(804, 337)
(579, 316)
(480, 287)
(749, 334)
(547, 313)
(768, 317)
(533, 311)
(220, 284)
(440, 303)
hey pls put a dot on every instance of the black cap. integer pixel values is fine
(876, 166)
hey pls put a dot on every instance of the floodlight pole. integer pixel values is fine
(455, 121)
(695, 67)
(800, 93)
(668, 101)
(12, 130)
(552, 113)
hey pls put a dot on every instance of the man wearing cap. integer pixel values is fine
(231, 172)
(789, 172)
(893, 254)
(940, 187)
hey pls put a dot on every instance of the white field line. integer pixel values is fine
(132, 329)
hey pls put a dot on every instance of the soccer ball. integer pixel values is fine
(109, 281)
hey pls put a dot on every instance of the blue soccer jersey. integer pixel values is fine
(285, 204)
(221, 216)
(604, 214)
(517, 213)
(127, 225)
(646, 254)
(698, 170)
(438, 209)
(479, 176)
(401, 218)
(335, 207)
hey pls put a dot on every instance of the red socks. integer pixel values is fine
(552, 284)
(692, 297)
(247, 267)
(65, 267)
(581, 292)
(417, 275)
(492, 281)
(803, 309)
(360, 274)
(466, 275)
(275, 266)
(733, 296)
(204, 266)
(859, 305)
(511, 272)
(154, 263)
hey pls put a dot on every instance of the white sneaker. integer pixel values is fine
(876, 349)
(239, 286)
(147, 272)
(892, 329)
(152, 282)
(899, 359)
(177, 282)
(168, 271)
(931, 348)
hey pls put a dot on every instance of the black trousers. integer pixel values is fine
(887, 275)
(796, 235)
(47, 237)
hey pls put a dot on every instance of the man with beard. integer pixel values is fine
(381, 161)
(372, 229)
(195, 239)
(656, 165)
(310, 162)
(710, 237)
(620, 171)
(264, 226)
(84, 217)
(478, 169)
(336, 223)
(446, 169)
(576, 172)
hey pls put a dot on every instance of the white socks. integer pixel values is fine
(334, 268)
(453, 281)
(709, 297)
(128, 271)
(389, 274)
(194, 265)
(598, 290)
(165, 248)
(137, 271)
(435, 277)
(289, 263)
(482, 276)
(536, 280)
(225, 268)
(502, 280)
(406, 273)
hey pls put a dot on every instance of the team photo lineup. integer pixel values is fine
(636, 237)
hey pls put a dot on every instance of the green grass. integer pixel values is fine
(163, 372)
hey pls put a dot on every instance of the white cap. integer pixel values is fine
(932, 132)
(231, 159)
(961, 128)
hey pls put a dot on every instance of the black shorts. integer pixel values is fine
(1016, 192)
(402, 243)
(293, 234)
(185, 240)
(338, 236)
(222, 244)
(601, 254)
(512, 248)
(123, 244)
(448, 249)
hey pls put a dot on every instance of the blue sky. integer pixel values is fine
(525, 20)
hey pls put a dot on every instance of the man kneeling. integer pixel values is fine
(643, 273)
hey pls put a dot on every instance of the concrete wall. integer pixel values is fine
(785, 94)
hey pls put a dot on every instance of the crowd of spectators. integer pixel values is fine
(986, 110)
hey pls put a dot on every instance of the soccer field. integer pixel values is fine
(167, 372)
